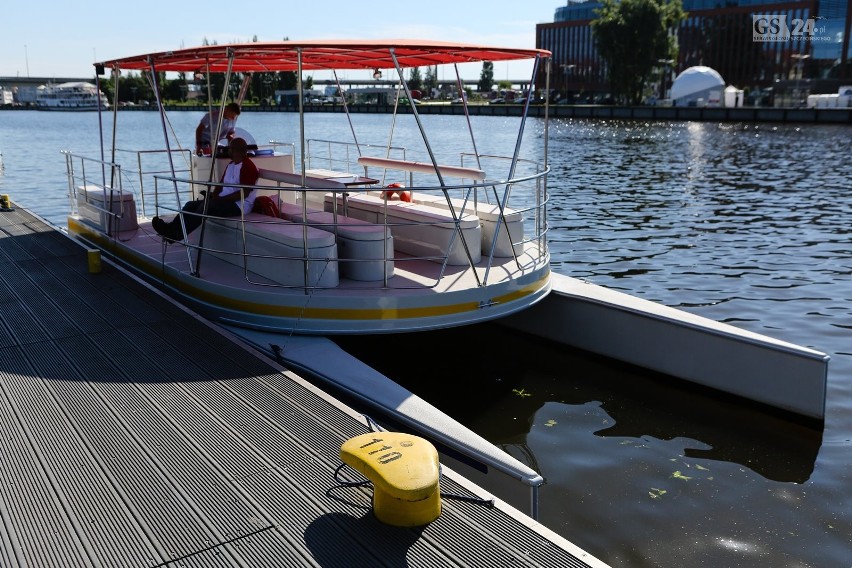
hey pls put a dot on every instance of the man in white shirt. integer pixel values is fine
(207, 126)
(224, 201)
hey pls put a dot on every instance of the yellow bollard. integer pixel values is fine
(94, 256)
(404, 470)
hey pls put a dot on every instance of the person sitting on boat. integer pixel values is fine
(207, 124)
(223, 201)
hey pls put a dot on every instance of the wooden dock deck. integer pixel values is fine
(134, 433)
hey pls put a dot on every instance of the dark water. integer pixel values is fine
(743, 223)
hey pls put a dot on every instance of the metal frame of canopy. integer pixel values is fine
(333, 55)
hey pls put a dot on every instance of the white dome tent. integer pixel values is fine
(697, 86)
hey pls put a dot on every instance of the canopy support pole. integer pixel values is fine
(437, 170)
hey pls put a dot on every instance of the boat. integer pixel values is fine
(463, 242)
(74, 96)
(372, 238)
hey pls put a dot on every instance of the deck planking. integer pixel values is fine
(135, 433)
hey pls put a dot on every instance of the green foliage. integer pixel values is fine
(430, 81)
(172, 91)
(486, 77)
(632, 36)
(263, 86)
(286, 80)
(415, 82)
(131, 88)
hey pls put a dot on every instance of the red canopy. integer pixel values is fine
(320, 54)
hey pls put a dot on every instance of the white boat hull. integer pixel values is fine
(340, 310)
(683, 345)
(72, 96)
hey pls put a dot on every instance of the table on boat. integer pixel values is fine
(345, 178)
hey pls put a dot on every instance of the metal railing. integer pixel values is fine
(343, 156)
(161, 194)
(91, 175)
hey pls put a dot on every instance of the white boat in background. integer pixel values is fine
(75, 95)
(374, 238)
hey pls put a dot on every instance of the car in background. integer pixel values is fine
(533, 101)
(497, 101)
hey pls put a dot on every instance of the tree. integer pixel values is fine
(415, 82)
(632, 36)
(430, 81)
(132, 87)
(486, 77)
(288, 81)
(173, 89)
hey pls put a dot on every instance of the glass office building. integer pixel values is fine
(755, 45)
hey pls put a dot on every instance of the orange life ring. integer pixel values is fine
(397, 190)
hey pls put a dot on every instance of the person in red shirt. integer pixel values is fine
(223, 201)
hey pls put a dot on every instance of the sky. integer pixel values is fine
(63, 39)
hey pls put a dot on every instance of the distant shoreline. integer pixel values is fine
(700, 114)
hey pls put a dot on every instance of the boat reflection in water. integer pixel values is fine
(567, 393)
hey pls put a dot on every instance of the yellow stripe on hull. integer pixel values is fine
(183, 285)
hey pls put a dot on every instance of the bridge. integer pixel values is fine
(9, 82)
(25, 87)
